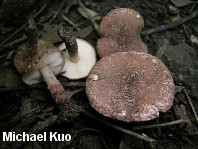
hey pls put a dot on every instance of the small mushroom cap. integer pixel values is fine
(130, 86)
(120, 32)
(28, 65)
(87, 59)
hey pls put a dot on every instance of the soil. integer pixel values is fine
(33, 110)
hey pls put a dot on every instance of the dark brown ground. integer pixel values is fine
(21, 107)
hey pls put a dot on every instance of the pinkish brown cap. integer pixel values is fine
(130, 86)
(120, 32)
(28, 64)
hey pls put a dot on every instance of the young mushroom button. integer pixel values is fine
(120, 32)
(80, 56)
(130, 86)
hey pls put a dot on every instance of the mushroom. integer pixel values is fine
(120, 32)
(130, 86)
(39, 60)
(173, 13)
(80, 56)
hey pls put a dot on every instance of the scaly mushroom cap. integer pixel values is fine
(28, 64)
(120, 31)
(130, 86)
(81, 68)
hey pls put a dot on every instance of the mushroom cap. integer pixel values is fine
(29, 64)
(120, 32)
(81, 68)
(130, 86)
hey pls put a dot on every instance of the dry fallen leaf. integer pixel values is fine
(50, 33)
(92, 13)
(183, 63)
(82, 33)
(8, 78)
(181, 3)
(70, 3)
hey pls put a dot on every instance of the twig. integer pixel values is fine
(23, 25)
(185, 31)
(124, 130)
(4, 55)
(162, 125)
(20, 88)
(70, 22)
(158, 1)
(192, 7)
(190, 143)
(170, 25)
(191, 104)
(73, 84)
(17, 41)
(158, 128)
(95, 25)
(56, 13)
(83, 22)
(192, 133)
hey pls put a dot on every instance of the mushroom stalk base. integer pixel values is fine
(74, 58)
(55, 87)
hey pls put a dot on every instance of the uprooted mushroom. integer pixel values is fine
(130, 86)
(39, 60)
(120, 32)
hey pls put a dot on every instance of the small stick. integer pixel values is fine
(170, 25)
(85, 21)
(158, 1)
(186, 32)
(56, 13)
(161, 125)
(16, 41)
(192, 133)
(95, 25)
(70, 22)
(1, 44)
(5, 55)
(20, 88)
(192, 7)
(158, 128)
(74, 84)
(191, 104)
(119, 128)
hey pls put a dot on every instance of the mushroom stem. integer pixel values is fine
(55, 87)
(66, 34)
(32, 37)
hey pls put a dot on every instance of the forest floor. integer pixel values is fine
(173, 38)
